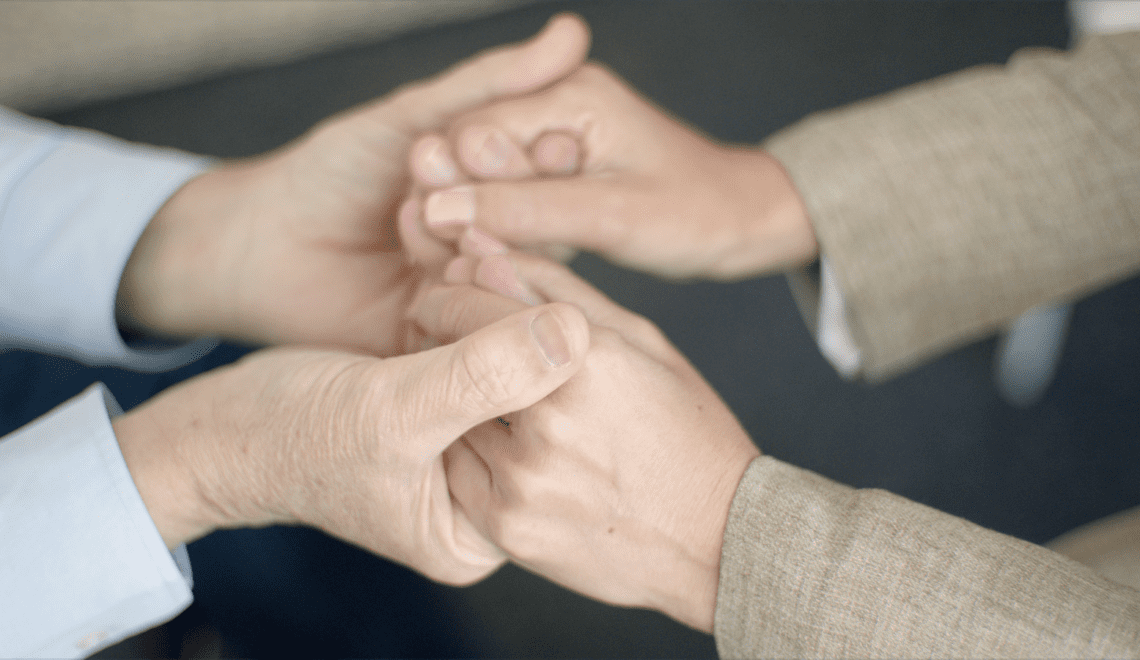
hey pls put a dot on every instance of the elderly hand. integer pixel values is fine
(299, 245)
(590, 164)
(616, 485)
(347, 443)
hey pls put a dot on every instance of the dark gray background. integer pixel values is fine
(739, 71)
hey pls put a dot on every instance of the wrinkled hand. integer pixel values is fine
(300, 245)
(590, 164)
(347, 443)
(618, 484)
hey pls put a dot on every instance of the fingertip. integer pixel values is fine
(562, 334)
(556, 154)
(557, 50)
(498, 274)
(488, 152)
(431, 163)
(420, 247)
(449, 212)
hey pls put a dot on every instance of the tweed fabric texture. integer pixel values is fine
(813, 568)
(945, 210)
(950, 207)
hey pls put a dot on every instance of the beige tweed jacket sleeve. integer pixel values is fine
(945, 209)
(950, 207)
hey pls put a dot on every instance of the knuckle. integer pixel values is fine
(514, 532)
(593, 72)
(483, 380)
(646, 330)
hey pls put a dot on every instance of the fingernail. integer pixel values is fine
(477, 244)
(557, 153)
(551, 340)
(438, 167)
(491, 150)
(454, 206)
(498, 273)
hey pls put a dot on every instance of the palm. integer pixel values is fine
(336, 273)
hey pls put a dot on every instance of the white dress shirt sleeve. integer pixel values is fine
(81, 563)
(73, 203)
(833, 335)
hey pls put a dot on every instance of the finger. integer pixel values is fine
(461, 270)
(469, 480)
(448, 213)
(471, 545)
(556, 51)
(448, 313)
(556, 283)
(506, 366)
(431, 163)
(506, 274)
(556, 154)
(583, 212)
(487, 152)
(478, 245)
(421, 247)
(497, 273)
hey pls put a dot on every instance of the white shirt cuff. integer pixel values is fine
(83, 565)
(834, 334)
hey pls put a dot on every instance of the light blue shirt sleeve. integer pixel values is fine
(81, 563)
(73, 203)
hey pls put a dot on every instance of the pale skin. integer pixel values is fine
(591, 165)
(299, 247)
(618, 484)
(348, 443)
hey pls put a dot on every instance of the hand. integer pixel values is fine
(347, 443)
(299, 245)
(618, 484)
(649, 192)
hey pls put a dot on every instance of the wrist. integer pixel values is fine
(775, 232)
(175, 281)
(165, 484)
(689, 593)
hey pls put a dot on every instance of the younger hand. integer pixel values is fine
(616, 485)
(590, 164)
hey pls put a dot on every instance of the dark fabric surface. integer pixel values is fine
(739, 71)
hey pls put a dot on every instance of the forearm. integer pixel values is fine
(774, 232)
(180, 277)
(814, 568)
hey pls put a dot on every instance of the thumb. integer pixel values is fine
(502, 368)
(553, 53)
(583, 212)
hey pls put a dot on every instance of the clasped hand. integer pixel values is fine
(569, 436)
(298, 247)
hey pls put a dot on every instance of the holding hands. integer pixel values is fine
(348, 443)
(617, 484)
(574, 437)
(589, 164)
(299, 245)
